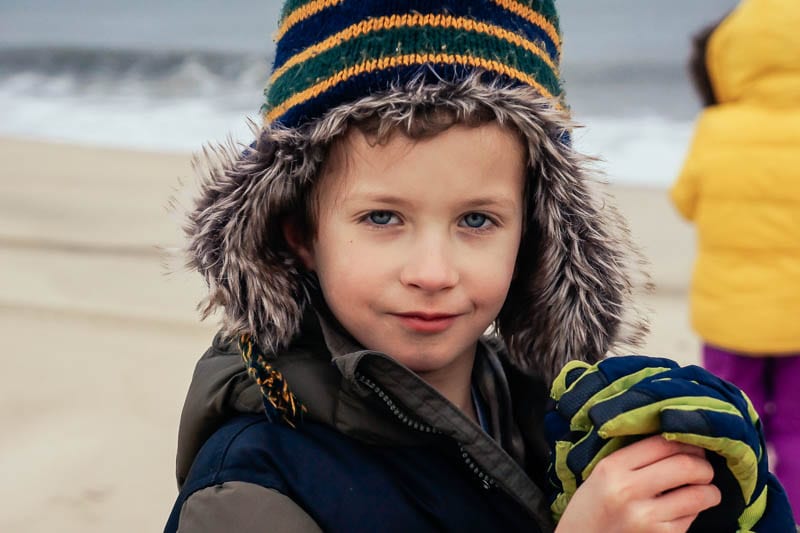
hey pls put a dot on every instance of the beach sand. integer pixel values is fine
(100, 342)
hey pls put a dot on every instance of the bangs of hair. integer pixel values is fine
(420, 122)
(417, 123)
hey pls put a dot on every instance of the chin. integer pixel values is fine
(424, 363)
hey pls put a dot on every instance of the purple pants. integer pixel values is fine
(773, 385)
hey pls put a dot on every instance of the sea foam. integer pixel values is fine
(178, 102)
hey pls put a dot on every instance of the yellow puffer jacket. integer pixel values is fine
(741, 184)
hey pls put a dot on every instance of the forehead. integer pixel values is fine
(459, 164)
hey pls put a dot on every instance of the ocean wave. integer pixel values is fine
(59, 71)
(643, 150)
(179, 126)
(179, 101)
(646, 150)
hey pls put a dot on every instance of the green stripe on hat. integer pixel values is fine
(402, 41)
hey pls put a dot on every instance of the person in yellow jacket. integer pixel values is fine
(740, 185)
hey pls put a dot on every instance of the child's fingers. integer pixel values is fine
(676, 506)
(681, 525)
(648, 451)
(673, 472)
(695, 450)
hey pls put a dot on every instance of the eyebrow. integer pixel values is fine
(498, 201)
(381, 199)
(501, 202)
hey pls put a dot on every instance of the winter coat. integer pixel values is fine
(740, 184)
(377, 448)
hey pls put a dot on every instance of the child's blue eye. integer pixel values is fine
(380, 218)
(475, 220)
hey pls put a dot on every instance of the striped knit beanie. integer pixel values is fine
(330, 52)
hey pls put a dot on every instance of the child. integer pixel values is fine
(413, 187)
(741, 185)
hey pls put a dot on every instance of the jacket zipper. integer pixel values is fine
(486, 481)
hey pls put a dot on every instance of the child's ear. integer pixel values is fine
(297, 241)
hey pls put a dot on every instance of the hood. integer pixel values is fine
(753, 54)
(572, 303)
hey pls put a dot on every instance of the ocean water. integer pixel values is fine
(172, 76)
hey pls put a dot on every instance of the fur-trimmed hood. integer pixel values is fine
(572, 303)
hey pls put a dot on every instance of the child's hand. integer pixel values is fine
(650, 486)
(600, 408)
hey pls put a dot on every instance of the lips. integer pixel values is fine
(421, 322)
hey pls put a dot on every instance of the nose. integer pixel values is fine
(430, 266)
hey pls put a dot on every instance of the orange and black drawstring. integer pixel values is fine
(278, 399)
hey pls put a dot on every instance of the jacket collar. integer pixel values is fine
(368, 396)
(411, 402)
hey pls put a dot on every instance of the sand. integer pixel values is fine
(99, 343)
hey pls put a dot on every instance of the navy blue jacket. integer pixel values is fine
(377, 449)
(348, 486)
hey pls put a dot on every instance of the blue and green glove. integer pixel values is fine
(601, 408)
(573, 439)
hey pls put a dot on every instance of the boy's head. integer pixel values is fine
(414, 241)
(395, 134)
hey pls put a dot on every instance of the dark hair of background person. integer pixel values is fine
(698, 68)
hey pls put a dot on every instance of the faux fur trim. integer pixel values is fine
(574, 303)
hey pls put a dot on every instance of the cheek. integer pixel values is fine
(346, 266)
(492, 273)
(497, 283)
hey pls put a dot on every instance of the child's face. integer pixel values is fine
(416, 241)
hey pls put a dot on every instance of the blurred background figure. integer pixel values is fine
(740, 185)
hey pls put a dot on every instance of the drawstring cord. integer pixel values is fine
(278, 399)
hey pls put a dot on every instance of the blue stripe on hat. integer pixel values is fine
(334, 19)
